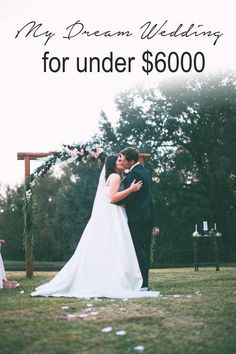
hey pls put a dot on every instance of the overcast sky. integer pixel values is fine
(40, 111)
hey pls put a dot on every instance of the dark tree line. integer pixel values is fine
(61, 208)
(190, 129)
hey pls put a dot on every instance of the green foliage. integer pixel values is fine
(11, 222)
(76, 153)
(57, 211)
(73, 208)
(61, 209)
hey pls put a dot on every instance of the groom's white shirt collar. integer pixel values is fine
(128, 170)
(136, 164)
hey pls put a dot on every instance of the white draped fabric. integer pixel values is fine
(104, 263)
(2, 272)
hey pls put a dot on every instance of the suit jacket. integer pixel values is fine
(139, 205)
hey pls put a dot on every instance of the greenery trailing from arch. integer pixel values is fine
(76, 153)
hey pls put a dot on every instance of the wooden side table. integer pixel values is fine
(214, 240)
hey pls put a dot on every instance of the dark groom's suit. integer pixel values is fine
(141, 217)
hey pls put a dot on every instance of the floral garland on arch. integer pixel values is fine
(76, 153)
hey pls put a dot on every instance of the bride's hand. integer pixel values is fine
(136, 186)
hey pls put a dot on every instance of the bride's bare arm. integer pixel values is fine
(115, 195)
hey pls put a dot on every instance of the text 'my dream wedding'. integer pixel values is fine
(153, 61)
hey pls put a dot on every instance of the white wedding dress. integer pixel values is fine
(104, 263)
(2, 272)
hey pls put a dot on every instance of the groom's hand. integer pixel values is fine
(155, 231)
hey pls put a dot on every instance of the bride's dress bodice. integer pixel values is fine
(122, 187)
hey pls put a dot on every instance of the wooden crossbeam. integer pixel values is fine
(28, 156)
(142, 157)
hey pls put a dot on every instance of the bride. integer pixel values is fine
(104, 263)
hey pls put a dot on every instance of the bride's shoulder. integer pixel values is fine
(114, 177)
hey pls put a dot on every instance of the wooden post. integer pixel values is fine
(142, 157)
(27, 157)
(27, 167)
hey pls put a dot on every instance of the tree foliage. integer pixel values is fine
(11, 222)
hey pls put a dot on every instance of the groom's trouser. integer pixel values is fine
(141, 235)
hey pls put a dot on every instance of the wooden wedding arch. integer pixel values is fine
(27, 157)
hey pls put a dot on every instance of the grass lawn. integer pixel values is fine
(195, 314)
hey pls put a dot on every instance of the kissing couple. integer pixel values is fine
(112, 258)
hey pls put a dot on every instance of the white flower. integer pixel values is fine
(121, 333)
(73, 153)
(106, 329)
(28, 194)
(139, 348)
(70, 160)
(81, 152)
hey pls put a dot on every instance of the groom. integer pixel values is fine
(140, 210)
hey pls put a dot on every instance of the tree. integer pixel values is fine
(74, 206)
(62, 206)
(202, 122)
(189, 128)
(11, 222)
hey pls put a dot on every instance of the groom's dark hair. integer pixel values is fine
(130, 153)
